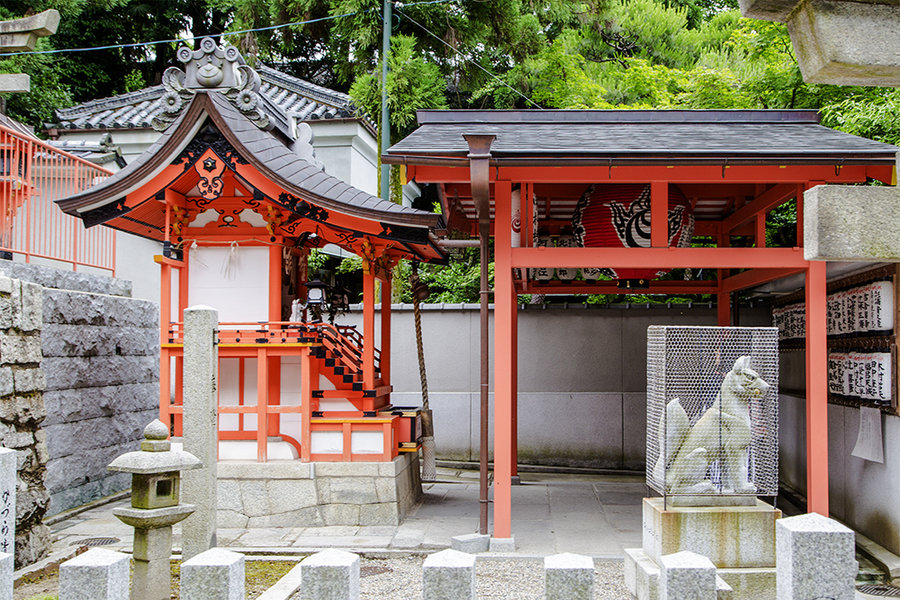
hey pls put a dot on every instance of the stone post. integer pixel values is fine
(216, 574)
(98, 574)
(7, 500)
(568, 577)
(330, 575)
(687, 576)
(6, 576)
(815, 557)
(449, 575)
(199, 428)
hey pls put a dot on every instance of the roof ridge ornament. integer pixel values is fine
(216, 69)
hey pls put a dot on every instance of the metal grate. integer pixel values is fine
(99, 541)
(883, 590)
(697, 444)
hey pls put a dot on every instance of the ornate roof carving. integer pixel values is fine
(215, 68)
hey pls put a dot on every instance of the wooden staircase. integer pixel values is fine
(339, 359)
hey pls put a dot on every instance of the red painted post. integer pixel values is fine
(386, 330)
(514, 380)
(816, 390)
(504, 299)
(369, 328)
(310, 381)
(262, 402)
(659, 214)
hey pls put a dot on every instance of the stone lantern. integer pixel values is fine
(155, 483)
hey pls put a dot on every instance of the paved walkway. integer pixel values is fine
(598, 516)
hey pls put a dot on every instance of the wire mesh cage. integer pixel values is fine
(712, 413)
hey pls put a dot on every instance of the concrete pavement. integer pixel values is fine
(595, 515)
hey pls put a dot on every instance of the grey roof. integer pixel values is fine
(686, 134)
(287, 95)
(283, 159)
(98, 152)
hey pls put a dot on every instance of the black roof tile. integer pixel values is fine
(636, 133)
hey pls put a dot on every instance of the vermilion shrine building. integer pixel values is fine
(237, 203)
(521, 178)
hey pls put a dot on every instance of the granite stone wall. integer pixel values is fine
(101, 365)
(22, 411)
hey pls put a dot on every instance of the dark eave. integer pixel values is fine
(641, 137)
(266, 152)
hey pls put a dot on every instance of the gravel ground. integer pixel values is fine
(495, 579)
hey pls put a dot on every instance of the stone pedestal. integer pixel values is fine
(739, 540)
(730, 536)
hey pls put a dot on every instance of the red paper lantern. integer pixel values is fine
(618, 215)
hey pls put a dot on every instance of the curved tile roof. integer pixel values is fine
(284, 95)
(280, 159)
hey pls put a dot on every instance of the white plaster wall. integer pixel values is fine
(134, 262)
(582, 378)
(862, 494)
(236, 284)
(348, 151)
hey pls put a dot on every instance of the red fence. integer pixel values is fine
(32, 175)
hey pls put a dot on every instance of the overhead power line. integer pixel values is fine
(397, 7)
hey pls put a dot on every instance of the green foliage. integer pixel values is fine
(412, 84)
(348, 265)
(459, 281)
(316, 260)
(874, 115)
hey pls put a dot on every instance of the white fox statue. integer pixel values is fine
(721, 434)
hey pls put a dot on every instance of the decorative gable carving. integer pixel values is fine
(218, 70)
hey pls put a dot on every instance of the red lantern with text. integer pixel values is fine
(618, 215)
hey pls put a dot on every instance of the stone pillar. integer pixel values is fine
(152, 572)
(687, 576)
(199, 428)
(449, 575)
(98, 574)
(568, 577)
(7, 500)
(330, 575)
(216, 574)
(815, 557)
(6, 576)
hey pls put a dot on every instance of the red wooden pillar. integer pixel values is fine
(816, 390)
(309, 371)
(262, 404)
(386, 329)
(165, 362)
(504, 348)
(183, 303)
(723, 299)
(659, 214)
(276, 271)
(514, 415)
(369, 327)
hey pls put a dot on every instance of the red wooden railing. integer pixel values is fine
(264, 340)
(33, 175)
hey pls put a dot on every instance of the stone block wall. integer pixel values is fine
(22, 411)
(295, 494)
(100, 363)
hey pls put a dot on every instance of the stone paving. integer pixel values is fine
(598, 516)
